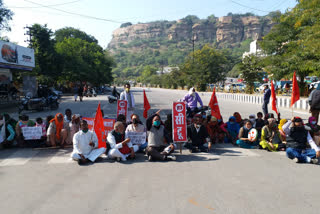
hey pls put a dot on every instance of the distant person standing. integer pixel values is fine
(266, 99)
(314, 102)
(75, 92)
(80, 92)
(128, 96)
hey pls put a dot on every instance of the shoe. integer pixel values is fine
(314, 160)
(171, 157)
(149, 158)
(296, 160)
(82, 162)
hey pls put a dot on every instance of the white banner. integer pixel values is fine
(137, 138)
(17, 55)
(32, 133)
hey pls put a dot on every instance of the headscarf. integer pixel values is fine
(271, 121)
(233, 127)
(282, 122)
(312, 119)
(191, 91)
(59, 125)
(238, 117)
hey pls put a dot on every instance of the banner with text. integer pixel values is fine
(122, 107)
(108, 124)
(32, 133)
(179, 122)
(137, 138)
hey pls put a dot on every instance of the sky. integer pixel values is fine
(100, 18)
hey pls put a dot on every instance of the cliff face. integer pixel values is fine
(225, 31)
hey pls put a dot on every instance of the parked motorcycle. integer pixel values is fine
(112, 99)
(38, 104)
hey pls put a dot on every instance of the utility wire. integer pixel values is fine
(76, 14)
(242, 5)
(71, 2)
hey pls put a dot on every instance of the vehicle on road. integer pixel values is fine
(234, 87)
(112, 99)
(38, 104)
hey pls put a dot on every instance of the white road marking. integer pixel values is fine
(20, 157)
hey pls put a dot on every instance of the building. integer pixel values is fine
(254, 50)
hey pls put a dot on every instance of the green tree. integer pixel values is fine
(207, 65)
(70, 32)
(5, 17)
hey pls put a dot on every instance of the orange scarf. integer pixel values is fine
(238, 117)
(59, 125)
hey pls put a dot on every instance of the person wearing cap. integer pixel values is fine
(244, 141)
(214, 130)
(85, 145)
(297, 138)
(198, 135)
(270, 136)
(192, 99)
(128, 96)
(58, 131)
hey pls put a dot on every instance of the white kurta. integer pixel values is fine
(124, 96)
(81, 145)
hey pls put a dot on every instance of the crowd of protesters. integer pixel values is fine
(300, 141)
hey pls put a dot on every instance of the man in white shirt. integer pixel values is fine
(85, 145)
(297, 138)
(128, 96)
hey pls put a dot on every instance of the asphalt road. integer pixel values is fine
(228, 180)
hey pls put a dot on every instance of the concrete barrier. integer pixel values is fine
(282, 102)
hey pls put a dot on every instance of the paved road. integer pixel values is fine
(228, 180)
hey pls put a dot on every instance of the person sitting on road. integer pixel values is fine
(23, 122)
(48, 118)
(58, 131)
(214, 130)
(74, 125)
(297, 138)
(85, 145)
(7, 132)
(238, 118)
(283, 135)
(121, 147)
(244, 141)
(121, 118)
(259, 124)
(42, 125)
(270, 137)
(159, 147)
(198, 135)
(233, 130)
(136, 126)
(314, 130)
(192, 99)
(68, 115)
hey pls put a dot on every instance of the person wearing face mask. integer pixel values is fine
(270, 136)
(252, 118)
(232, 128)
(314, 130)
(198, 135)
(214, 130)
(137, 126)
(121, 147)
(85, 145)
(244, 141)
(7, 132)
(192, 99)
(159, 144)
(128, 96)
(297, 139)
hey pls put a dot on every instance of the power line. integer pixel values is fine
(76, 14)
(242, 5)
(71, 2)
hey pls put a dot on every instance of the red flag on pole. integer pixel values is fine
(273, 98)
(146, 105)
(213, 104)
(98, 128)
(295, 96)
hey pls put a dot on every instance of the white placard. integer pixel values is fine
(137, 138)
(32, 133)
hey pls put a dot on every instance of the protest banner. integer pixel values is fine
(179, 123)
(108, 124)
(122, 107)
(137, 138)
(32, 133)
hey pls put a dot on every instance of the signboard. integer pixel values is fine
(5, 76)
(137, 138)
(122, 107)
(16, 55)
(108, 124)
(179, 122)
(32, 133)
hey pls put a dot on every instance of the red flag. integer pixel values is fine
(213, 104)
(273, 98)
(146, 105)
(98, 128)
(295, 96)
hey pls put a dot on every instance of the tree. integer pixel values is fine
(5, 17)
(251, 71)
(125, 24)
(70, 32)
(207, 65)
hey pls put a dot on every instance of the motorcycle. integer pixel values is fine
(112, 98)
(28, 103)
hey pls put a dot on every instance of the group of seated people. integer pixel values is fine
(300, 141)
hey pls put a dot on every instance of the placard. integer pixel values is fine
(137, 138)
(122, 107)
(179, 122)
(32, 133)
